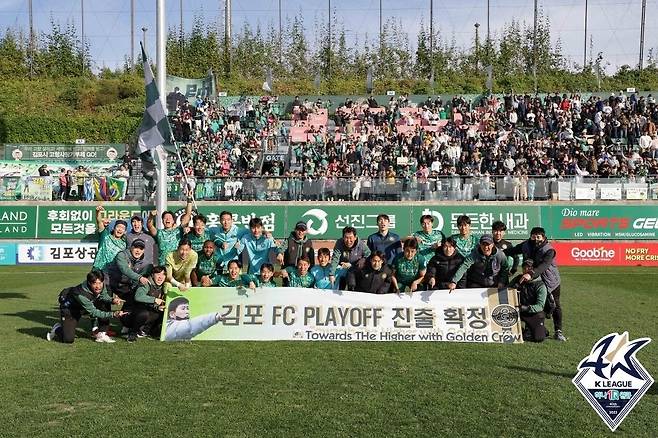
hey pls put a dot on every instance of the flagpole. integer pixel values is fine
(160, 155)
(187, 184)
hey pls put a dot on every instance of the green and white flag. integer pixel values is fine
(155, 129)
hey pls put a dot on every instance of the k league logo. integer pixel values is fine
(611, 378)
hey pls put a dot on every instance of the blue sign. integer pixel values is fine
(7, 253)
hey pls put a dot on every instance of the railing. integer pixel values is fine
(456, 188)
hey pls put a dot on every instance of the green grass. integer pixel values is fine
(314, 389)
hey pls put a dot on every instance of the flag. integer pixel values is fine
(155, 129)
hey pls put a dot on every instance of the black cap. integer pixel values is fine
(120, 222)
(138, 243)
(137, 218)
(301, 225)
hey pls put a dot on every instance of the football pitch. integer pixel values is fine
(250, 389)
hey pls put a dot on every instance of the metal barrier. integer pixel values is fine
(453, 188)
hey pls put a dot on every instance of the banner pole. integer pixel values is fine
(161, 66)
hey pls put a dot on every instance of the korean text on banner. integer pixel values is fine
(468, 315)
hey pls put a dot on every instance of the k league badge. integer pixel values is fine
(611, 378)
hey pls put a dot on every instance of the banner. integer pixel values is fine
(468, 315)
(519, 219)
(7, 253)
(606, 253)
(178, 90)
(328, 221)
(57, 253)
(18, 222)
(64, 152)
(600, 222)
(11, 188)
(38, 188)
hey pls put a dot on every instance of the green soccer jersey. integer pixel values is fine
(406, 271)
(206, 265)
(295, 280)
(466, 245)
(426, 241)
(108, 248)
(167, 241)
(197, 240)
(258, 282)
(225, 281)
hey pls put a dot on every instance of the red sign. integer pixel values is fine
(606, 253)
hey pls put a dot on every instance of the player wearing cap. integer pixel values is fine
(486, 266)
(137, 232)
(109, 244)
(296, 246)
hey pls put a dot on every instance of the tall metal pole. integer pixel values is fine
(585, 43)
(329, 44)
(132, 34)
(181, 34)
(31, 44)
(161, 79)
(280, 36)
(477, 47)
(381, 28)
(534, 49)
(227, 34)
(488, 29)
(431, 30)
(82, 16)
(644, 11)
(144, 29)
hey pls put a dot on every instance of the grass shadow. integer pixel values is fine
(47, 318)
(40, 332)
(14, 295)
(542, 372)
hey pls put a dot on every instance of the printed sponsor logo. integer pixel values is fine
(593, 254)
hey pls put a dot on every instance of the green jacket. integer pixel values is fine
(81, 298)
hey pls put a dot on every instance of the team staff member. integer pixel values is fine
(109, 244)
(485, 267)
(297, 245)
(145, 318)
(532, 294)
(348, 251)
(466, 242)
(180, 264)
(540, 251)
(168, 237)
(374, 278)
(498, 229)
(128, 270)
(137, 232)
(443, 266)
(385, 240)
(429, 239)
(88, 298)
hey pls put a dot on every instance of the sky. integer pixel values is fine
(613, 25)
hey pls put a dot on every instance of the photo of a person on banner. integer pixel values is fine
(180, 327)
